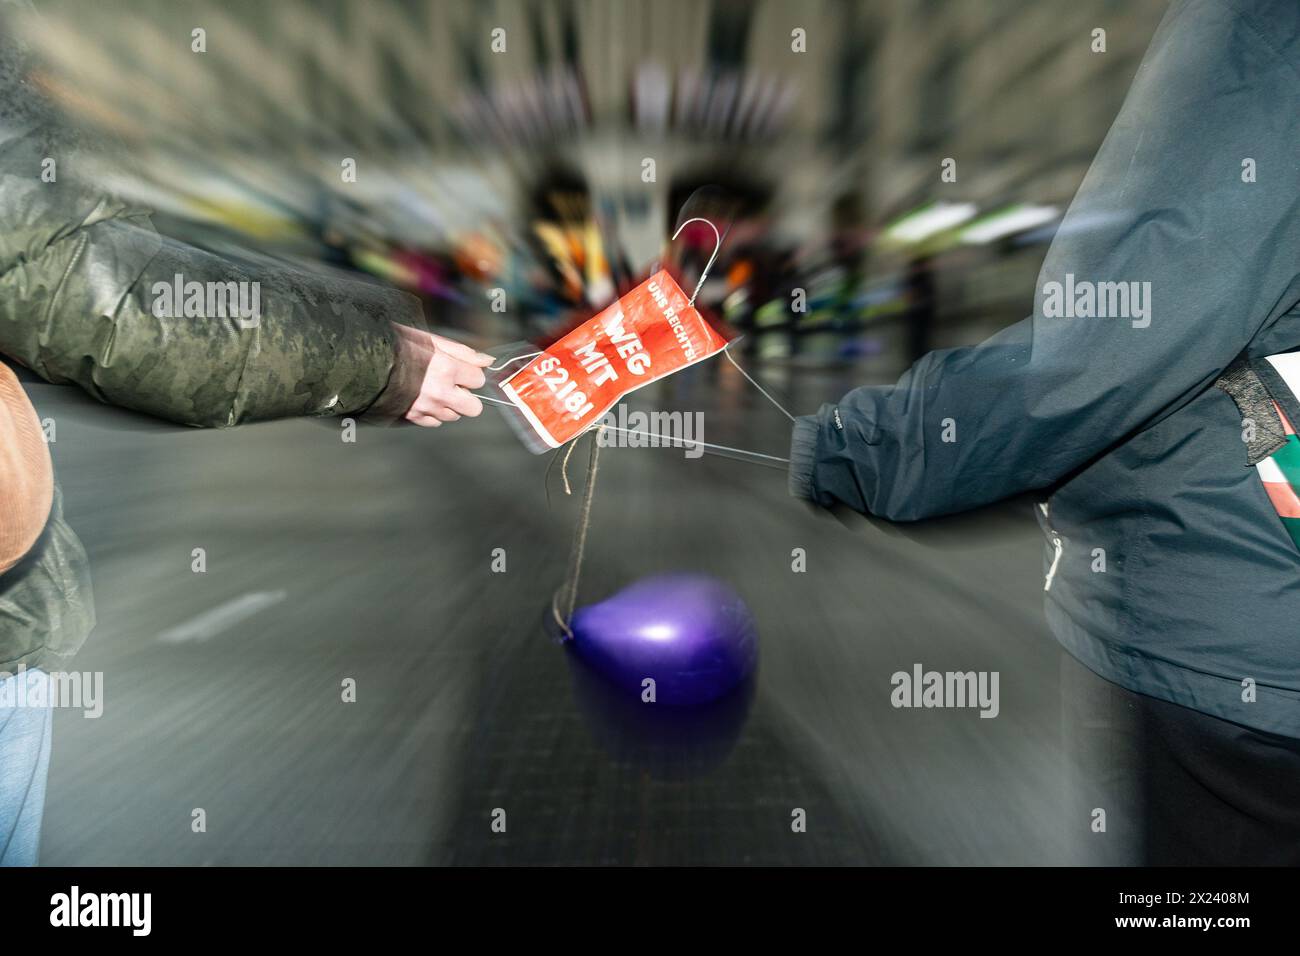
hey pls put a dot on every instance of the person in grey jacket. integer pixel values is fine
(1169, 571)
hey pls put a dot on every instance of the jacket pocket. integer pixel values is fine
(1266, 392)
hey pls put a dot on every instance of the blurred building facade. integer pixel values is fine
(467, 121)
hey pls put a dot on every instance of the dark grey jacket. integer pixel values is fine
(1175, 576)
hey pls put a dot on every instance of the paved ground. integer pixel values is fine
(371, 561)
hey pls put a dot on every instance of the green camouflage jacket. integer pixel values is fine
(81, 278)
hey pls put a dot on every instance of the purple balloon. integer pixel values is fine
(690, 632)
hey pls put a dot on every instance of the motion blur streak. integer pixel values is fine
(526, 172)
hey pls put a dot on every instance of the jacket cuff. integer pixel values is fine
(803, 458)
(402, 389)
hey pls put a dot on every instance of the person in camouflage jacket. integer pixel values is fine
(80, 275)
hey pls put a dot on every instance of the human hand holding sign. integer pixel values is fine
(437, 374)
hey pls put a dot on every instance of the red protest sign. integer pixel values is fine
(650, 332)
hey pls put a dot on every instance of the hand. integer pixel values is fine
(450, 370)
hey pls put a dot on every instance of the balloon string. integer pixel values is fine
(579, 533)
(564, 466)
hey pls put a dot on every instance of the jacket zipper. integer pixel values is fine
(1055, 538)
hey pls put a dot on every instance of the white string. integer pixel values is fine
(678, 442)
(727, 353)
(692, 443)
(497, 368)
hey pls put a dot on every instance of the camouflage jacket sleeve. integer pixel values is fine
(87, 285)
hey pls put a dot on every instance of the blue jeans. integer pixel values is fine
(24, 765)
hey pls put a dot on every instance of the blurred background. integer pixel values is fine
(523, 167)
(890, 173)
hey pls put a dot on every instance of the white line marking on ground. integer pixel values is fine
(222, 617)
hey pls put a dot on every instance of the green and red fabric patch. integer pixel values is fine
(1280, 473)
